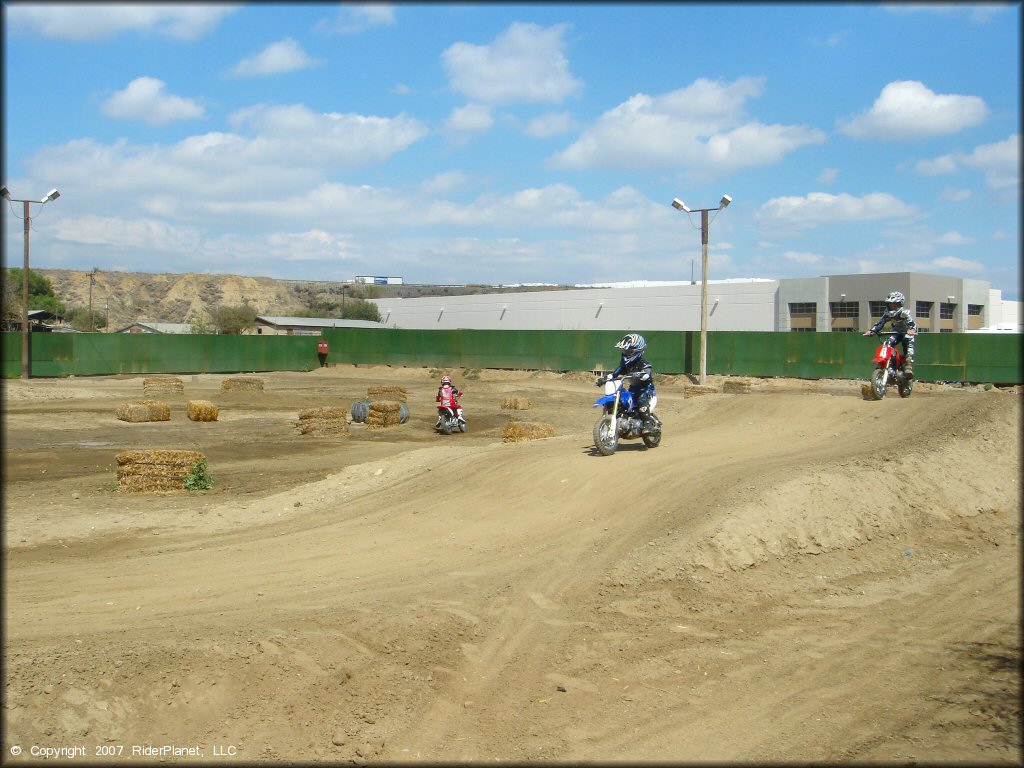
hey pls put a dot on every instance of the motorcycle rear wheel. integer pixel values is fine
(462, 426)
(446, 426)
(878, 384)
(606, 439)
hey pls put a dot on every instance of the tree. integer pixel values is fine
(40, 295)
(201, 323)
(233, 319)
(357, 309)
(78, 318)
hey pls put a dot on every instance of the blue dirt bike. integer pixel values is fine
(620, 418)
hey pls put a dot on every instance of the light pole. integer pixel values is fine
(53, 194)
(679, 205)
(92, 282)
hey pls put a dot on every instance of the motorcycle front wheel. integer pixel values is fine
(878, 383)
(606, 439)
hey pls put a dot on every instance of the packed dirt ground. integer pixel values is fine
(795, 574)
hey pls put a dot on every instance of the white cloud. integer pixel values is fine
(283, 56)
(550, 124)
(101, 22)
(803, 257)
(907, 109)
(140, 233)
(144, 99)
(525, 64)
(979, 13)
(999, 161)
(951, 262)
(471, 118)
(701, 126)
(353, 19)
(937, 166)
(954, 238)
(828, 176)
(297, 135)
(819, 208)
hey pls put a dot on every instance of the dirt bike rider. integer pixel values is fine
(903, 326)
(447, 395)
(633, 364)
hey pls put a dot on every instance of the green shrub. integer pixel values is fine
(199, 478)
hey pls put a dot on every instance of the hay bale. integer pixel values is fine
(516, 404)
(384, 413)
(694, 390)
(737, 386)
(162, 384)
(242, 384)
(202, 410)
(387, 392)
(143, 410)
(159, 470)
(518, 431)
(323, 421)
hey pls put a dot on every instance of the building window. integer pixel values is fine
(803, 316)
(845, 315)
(844, 308)
(877, 309)
(923, 308)
(974, 316)
(946, 311)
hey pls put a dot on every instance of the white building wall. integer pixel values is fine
(732, 306)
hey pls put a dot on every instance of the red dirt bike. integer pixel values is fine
(449, 411)
(889, 368)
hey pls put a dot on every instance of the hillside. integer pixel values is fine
(128, 297)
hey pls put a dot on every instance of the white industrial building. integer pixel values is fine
(827, 303)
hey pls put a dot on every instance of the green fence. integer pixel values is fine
(974, 357)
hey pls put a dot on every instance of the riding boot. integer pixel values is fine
(908, 368)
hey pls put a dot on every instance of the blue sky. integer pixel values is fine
(515, 143)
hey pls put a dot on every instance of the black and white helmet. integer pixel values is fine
(896, 298)
(632, 346)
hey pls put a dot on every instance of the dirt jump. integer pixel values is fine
(795, 574)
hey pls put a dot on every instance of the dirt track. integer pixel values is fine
(795, 574)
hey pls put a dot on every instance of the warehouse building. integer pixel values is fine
(833, 303)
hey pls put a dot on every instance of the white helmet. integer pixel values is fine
(632, 346)
(896, 298)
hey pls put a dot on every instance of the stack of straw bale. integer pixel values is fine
(518, 431)
(384, 413)
(202, 410)
(242, 384)
(323, 421)
(516, 403)
(155, 470)
(737, 386)
(694, 390)
(382, 392)
(143, 410)
(162, 384)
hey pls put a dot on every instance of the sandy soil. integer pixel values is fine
(794, 574)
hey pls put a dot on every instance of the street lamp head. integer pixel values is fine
(725, 201)
(6, 194)
(53, 194)
(679, 205)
